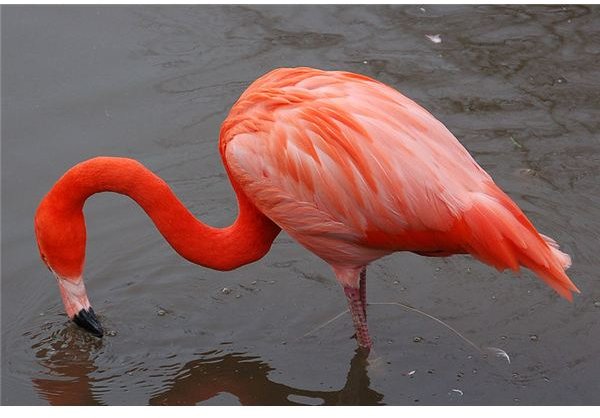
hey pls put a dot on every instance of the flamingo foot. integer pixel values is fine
(358, 312)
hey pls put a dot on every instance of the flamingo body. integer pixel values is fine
(349, 167)
(354, 170)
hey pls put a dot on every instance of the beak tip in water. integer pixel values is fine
(87, 320)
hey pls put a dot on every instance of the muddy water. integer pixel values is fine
(519, 86)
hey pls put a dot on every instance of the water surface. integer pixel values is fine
(519, 86)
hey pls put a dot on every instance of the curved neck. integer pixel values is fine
(248, 239)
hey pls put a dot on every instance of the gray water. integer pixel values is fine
(519, 86)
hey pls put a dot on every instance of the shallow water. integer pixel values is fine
(519, 86)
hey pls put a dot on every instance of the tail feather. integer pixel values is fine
(565, 259)
(499, 234)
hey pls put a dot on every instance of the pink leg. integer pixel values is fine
(358, 312)
(363, 290)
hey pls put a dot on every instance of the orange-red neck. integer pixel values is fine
(247, 240)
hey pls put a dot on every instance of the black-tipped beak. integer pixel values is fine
(87, 320)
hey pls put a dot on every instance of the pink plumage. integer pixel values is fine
(354, 170)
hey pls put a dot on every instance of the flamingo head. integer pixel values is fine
(61, 241)
(77, 305)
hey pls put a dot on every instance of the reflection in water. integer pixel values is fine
(247, 378)
(66, 355)
(70, 363)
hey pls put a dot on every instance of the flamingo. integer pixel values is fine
(349, 167)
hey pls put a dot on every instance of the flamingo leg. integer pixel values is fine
(363, 290)
(358, 312)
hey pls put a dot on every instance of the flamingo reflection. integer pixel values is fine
(71, 379)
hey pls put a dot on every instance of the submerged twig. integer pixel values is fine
(325, 324)
(439, 321)
(498, 352)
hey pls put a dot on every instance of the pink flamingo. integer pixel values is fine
(349, 167)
